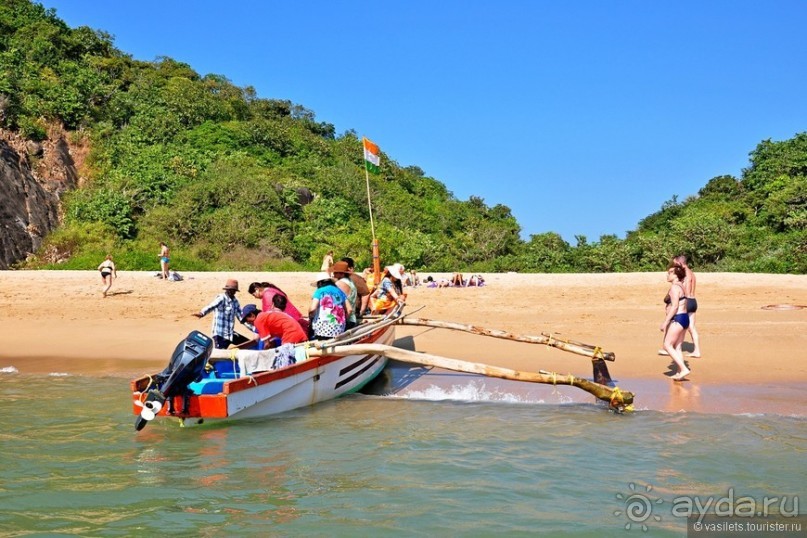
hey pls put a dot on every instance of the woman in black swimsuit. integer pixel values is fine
(676, 320)
(108, 272)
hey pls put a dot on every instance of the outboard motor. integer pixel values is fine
(187, 365)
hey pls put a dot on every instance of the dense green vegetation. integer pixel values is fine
(225, 177)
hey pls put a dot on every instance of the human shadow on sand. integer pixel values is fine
(125, 292)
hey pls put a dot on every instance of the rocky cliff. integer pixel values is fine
(33, 176)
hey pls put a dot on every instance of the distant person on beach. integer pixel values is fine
(341, 274)
(329, 308)
(266, 291)
(165, 260)
(327, 262)
(676, 319)
(457, 280)
(390, 291)
(412, 279)
(226, 308)
(475, 281)
(108, 272)
(362, 289)
(692, 304)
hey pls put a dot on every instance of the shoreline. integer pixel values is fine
(57, 321)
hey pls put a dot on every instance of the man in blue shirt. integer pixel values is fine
(226, 308)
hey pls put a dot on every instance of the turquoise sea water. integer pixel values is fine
(72, 465)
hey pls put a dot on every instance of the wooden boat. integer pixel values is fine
(205, 385)
(201, 384)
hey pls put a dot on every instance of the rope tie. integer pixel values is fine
(598, 353)
(554, 383)
(618, 399)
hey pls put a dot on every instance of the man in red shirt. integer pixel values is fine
(277, 324)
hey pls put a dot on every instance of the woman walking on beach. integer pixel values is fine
(676, 320)
(692, 304)
(108, 272)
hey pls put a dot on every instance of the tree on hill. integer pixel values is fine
(235, 181)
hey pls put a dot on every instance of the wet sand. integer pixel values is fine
(753, 335)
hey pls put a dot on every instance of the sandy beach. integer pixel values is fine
(753, 333)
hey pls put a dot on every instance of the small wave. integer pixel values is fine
(9, 370)
(465, 393)
(58, 374)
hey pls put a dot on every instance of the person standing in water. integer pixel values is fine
(108, 272)
(165, 260)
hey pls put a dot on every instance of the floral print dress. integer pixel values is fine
(331, 315)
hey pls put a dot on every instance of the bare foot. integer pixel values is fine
(662, 352)
(681, 375)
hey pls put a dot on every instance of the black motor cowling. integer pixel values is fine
(187, 365)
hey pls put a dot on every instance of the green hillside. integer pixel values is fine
(234, 181)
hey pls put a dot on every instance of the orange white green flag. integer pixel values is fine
(372, 156)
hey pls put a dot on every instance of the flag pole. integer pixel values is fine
(369, 204)
(376, 254)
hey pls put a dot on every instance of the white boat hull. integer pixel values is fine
(266, 393)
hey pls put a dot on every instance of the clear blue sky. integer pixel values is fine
(583, 117)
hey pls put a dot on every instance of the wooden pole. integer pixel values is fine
(376, 264)
(586, 350)
(616, 398)
(376, 256)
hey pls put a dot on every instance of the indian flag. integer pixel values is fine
(372, 159)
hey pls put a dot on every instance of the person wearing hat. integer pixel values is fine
(341, 273)
(363, 291)
(248, 314)
(390, 291)
(226, 308)
(329, 308)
